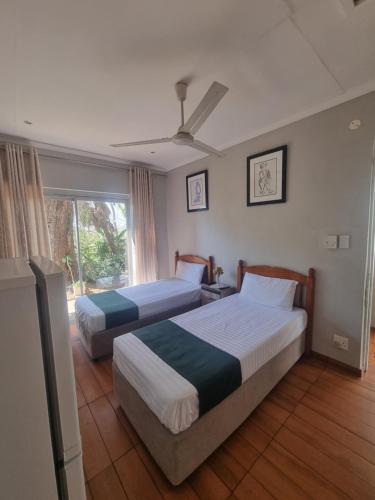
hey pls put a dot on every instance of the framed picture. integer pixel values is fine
(266, 177)
(197, 191)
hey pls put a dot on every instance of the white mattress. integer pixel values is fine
(252, 333)
(151, 298)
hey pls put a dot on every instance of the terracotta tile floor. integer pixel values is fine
(312, 437)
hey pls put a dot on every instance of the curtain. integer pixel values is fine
(143, 226)
(23, 222)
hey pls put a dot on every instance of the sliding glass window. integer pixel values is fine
(89, 239)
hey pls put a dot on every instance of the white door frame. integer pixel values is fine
(369, 274)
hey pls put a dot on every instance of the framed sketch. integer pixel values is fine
(266, 177)
(197, 191)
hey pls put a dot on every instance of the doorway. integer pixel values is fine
(89, 240)
(368, 316)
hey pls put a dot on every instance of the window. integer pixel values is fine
(89, 239)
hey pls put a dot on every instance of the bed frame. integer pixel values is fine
(100, 344)
(178, 455)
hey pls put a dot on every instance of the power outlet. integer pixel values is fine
(341, 342)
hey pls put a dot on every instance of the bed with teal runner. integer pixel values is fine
(116, 308)
(214, 373)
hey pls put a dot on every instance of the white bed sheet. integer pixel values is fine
(252, 333)
(151, 298)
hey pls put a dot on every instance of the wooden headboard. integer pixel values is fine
(306, 289)
(208, 274)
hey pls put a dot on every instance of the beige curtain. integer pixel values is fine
(23, 222)
(143, 226)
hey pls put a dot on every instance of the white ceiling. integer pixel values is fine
(88, 73)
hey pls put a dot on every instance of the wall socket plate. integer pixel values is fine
(341, 342)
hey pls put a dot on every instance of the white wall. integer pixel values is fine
(63, 174)
(327, 193)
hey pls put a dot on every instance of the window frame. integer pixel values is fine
(78, 195)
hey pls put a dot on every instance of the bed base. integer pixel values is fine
(178, 455)
(100, 344)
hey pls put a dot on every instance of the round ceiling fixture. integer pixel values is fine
(354, 124)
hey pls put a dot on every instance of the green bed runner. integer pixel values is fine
(214, 373)
(117, 308)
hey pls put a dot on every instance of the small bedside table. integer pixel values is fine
(209, 293)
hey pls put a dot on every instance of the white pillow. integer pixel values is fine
(190, 272)
(273, 292)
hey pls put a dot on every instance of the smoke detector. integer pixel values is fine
(354, 124)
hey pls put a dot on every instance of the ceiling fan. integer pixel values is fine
(186, 131)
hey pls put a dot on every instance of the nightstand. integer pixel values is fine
(210, 293)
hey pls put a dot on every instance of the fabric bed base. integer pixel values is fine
(100, 344)
(178, 455)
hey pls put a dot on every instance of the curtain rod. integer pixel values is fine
(43, 154)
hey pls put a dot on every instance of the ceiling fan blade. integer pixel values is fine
(201, 146)
(140, 143)
(209, 102)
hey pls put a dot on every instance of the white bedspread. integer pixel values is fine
(252, 333)
(151, 298)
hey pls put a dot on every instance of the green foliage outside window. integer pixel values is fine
(98, 259)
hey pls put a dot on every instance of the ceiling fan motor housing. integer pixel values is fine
(183, 138)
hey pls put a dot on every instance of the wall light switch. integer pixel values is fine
(330, 241)
(344, 241)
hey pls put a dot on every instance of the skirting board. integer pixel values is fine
(340, 364)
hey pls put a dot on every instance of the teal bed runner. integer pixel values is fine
(214, 373)
(117, 308)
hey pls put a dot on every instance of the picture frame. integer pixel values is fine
(266, 177)
(197, 191)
